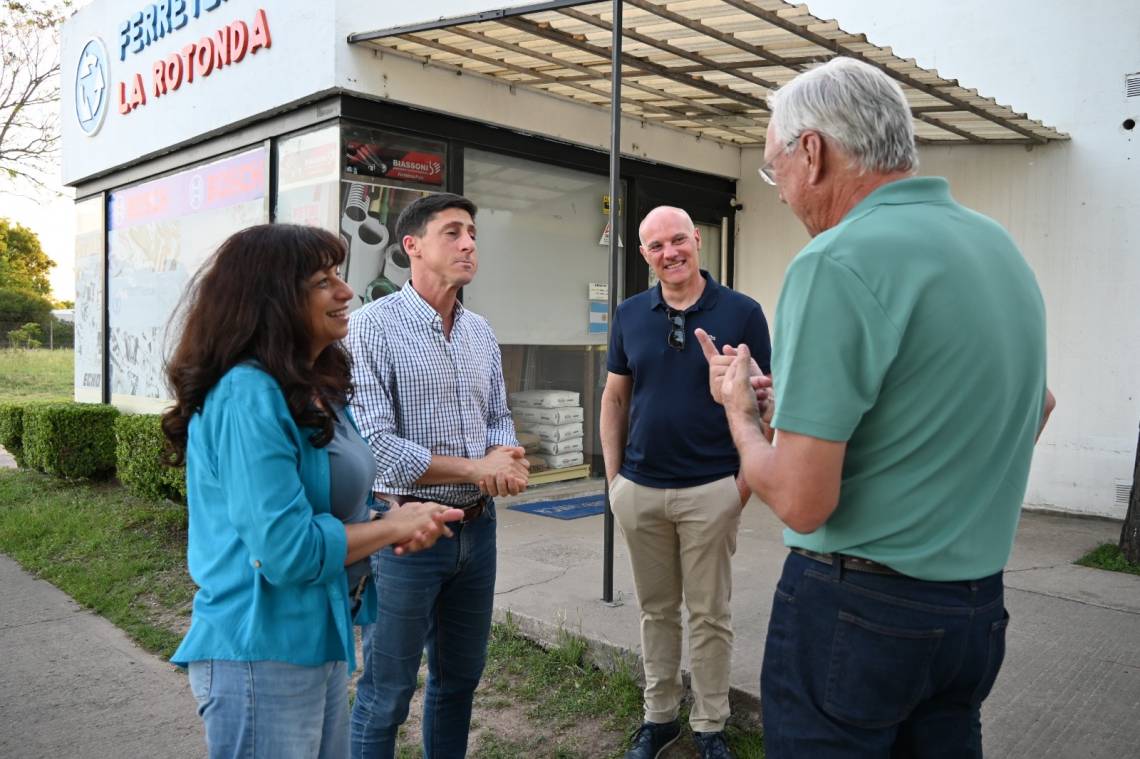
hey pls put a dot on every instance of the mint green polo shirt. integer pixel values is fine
(915, 332)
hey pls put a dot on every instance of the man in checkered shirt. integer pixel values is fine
(431, 402)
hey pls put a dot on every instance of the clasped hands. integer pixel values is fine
(735, 380)
(503, 471)
(419, 524)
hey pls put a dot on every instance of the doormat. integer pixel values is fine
(565, 508)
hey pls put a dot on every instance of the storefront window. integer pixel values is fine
(308, 178)
(377, 264)
(542, 284)
(89, 286)
(384, 173)
(160, 234)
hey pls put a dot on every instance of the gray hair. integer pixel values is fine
(857, 106)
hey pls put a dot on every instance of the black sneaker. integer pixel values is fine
(652, 738)
(712, 745)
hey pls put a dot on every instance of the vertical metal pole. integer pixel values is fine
(615, 261)
(105, 327)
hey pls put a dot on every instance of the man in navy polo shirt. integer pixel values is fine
(672, 473)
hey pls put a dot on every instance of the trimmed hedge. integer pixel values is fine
(71, 440)
(138, 459)
(12, 430)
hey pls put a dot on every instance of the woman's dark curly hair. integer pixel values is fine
(248, 303)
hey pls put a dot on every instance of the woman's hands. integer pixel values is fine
(417, 525)
(407, 528)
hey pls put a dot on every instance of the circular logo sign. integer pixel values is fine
(92, 88)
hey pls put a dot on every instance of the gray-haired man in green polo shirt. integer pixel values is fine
(908, 368)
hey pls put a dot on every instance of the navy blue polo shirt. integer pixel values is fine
(678, 435)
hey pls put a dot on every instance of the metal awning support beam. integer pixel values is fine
(474, 18)
(840, 49)
(731, 66)
(708, 63)
(616, 206)
(702, 67)
(767, 56)
(661, 113)
(772, 58)
(589, 74)
(633, 61)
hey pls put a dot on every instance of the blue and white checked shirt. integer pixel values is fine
(419, 394)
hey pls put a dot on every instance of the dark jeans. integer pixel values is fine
(442, 598)
(867, 665)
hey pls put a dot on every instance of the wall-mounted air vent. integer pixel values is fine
(1123, 491)
(1132, 85)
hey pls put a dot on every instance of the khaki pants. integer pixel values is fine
(681, 541)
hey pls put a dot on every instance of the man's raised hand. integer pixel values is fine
(719, 364)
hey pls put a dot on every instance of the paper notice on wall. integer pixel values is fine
(599, 291)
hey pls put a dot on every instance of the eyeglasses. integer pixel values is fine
(766, 171)
(676, 336)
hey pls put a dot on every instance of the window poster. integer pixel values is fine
(89, 300)
(370, 153)
(377, 264)
(161, 232)
(308, 178)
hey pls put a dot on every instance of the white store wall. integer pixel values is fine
(1072, 207)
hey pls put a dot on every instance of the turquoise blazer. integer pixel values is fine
(264, 549)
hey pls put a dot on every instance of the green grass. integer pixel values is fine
(1108, 556)
(122, 556)
(562, 690)
(559, 683)
(36, 375)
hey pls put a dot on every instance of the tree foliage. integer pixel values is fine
(29, 88)
(27, 336)
(22, 306)
(23, 263)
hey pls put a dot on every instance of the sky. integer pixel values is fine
(48, 213)
(53, 219)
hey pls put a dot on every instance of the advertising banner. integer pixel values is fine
(376, 154)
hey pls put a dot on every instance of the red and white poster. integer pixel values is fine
(371, 153)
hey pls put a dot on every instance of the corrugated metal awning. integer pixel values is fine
(701, 66)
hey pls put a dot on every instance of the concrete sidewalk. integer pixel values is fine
(71, 684)
(1070, 685)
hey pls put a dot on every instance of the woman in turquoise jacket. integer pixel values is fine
(277, 481)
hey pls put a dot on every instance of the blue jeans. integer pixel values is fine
(442, 598)
(268, 708)
(866, 665)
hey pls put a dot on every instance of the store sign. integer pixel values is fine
(156, 20)
(227, 46)
(91, 90)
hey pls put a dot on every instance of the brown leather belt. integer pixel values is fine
(852, 563)
(471, 511)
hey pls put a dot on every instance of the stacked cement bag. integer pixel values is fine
(556, 417)
(530, 441)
